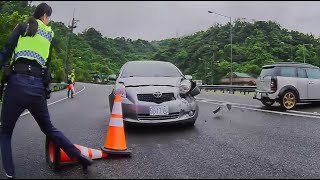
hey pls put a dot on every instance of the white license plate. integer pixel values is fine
(159, 110)
(258, 95)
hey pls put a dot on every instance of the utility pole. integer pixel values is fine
(67, 63)
(230, 18)
(212, 66)
(304, 55)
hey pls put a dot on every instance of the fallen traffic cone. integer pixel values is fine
(115, 142)
(57, 157)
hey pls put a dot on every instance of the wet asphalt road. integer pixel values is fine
(248, 99)
(236, 144)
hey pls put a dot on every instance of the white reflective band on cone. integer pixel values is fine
(117, 108)
(117, 122)
(84, 150)
(96, 154)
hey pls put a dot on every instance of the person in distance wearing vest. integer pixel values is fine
(71, 83)
(28, 50)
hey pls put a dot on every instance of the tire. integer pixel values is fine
(268, 102)
(288, 100)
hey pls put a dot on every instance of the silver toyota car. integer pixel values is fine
(155, 92)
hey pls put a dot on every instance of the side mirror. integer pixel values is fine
(112, 77)
(194, 89)
(188, 77)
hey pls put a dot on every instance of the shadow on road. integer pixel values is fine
(157, 128)
(302, 106)
(308, 106)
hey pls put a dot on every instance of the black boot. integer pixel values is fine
(85, 162)
(9, 177)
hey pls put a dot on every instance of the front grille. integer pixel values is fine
(151, 98)
(142, 117)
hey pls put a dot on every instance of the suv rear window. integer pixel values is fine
(267, 71)
(288, 71)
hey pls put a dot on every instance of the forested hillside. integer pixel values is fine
(254, 44)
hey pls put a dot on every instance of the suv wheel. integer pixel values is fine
(267, 102)
(288, 100)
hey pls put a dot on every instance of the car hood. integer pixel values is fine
(150, 81)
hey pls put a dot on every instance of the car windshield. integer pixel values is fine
(150, 70)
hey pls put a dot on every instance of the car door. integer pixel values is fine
(302, 83)
(313, 83)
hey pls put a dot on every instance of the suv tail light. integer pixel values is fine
(273, 84)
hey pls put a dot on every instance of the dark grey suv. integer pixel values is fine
(288, 83)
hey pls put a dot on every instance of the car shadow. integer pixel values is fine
(299, 106)
(307, 106)
(157, 128)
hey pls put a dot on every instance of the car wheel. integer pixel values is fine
(268, 102)
(288, 100)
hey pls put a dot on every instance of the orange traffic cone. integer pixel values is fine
(115, 142)
(57, 157)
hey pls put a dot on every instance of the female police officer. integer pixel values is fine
(29, 48)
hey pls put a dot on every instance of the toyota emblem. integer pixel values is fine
(157, 94)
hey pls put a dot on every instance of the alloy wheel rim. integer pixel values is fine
(289, 100)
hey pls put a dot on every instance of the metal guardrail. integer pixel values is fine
(53, 86)
(228, 88)
(57, 86)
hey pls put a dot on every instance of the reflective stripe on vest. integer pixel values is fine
(36, 47)
(47, 35)
(30, 54)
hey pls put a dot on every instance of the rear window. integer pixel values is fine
(288, 71)
(267, 71)
(302, 73)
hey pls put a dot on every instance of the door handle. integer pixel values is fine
(310, 82)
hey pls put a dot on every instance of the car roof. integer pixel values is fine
(292, 64)
(141, 62)
(147, 62)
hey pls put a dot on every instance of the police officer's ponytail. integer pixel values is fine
(31, 26)
(31, 23)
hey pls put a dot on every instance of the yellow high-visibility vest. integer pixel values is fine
(36, 47)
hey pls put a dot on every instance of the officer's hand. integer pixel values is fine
(48, 93)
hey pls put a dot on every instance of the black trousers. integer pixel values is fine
(28, 92)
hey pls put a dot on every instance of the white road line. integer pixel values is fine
(302, 112)
(268, 111)
(292, 111)
(57, 101)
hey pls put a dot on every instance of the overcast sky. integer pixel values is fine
(156, 20)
